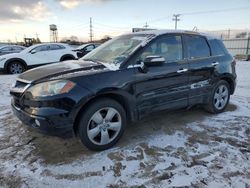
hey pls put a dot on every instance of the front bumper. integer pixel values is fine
(55, 124)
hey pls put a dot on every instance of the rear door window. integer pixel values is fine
(197, 47)
(54, 47)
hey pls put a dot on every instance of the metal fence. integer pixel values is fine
(238, 46)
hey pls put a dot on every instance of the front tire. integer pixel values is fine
(102, 124)
(15, 67)
(220, 97)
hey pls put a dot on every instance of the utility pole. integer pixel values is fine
(146, 25)
(90, 30)
(176, 19)
(228, 34)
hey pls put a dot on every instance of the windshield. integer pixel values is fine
(117, 50)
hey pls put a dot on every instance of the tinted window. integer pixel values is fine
(6, 49)
(55, 47)
(197, 47)
(217, 47)
(42, 48)
(169, 47)
(16, 48)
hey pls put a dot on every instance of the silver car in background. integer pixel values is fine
(9, 49)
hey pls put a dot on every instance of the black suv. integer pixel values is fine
(124, 80)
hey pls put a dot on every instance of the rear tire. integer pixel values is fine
(15, 67)
(102, 124)
(219, 98)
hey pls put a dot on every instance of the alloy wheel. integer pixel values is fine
(104, 126)
(221, 97)
(16, 68)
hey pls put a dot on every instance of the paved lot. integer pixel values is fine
(184, 148)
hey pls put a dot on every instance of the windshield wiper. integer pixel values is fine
(92, 60)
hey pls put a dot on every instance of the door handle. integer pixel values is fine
(182, 70)
(215, 63)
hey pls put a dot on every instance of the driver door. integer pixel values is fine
(38, 55)
(163, 86)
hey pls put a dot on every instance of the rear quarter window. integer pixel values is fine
(217, 47)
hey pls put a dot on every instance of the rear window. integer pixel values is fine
(217, 47)
(197, 47)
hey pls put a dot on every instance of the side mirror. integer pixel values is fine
(154, 61)
(33, 51)
(140, 66)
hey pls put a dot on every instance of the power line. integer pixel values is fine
(101, 29)
(216, 11)
(110, 26)
(202, 12)
(84, 25)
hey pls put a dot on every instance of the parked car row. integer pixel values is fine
(39, 54)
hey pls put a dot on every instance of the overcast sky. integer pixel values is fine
(114, 17)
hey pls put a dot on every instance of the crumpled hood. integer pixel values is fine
(62, 70)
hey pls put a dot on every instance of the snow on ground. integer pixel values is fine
(184, 148)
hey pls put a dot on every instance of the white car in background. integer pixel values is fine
(36, 55)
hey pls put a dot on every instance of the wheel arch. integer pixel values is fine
(122, 100)
(67, 56)
(230, 80)
(15, 59)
